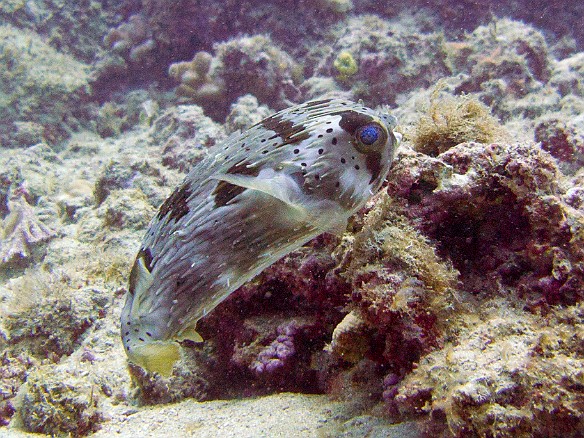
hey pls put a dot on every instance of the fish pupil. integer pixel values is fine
(369, 135)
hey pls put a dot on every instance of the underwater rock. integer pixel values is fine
(378, 54)
(479, 384)
(184, 133)
(564, 140)
(43, 85)
(54, 402)
(496, 212)
(53, 327)
(568, 75)
(192, 379)
(255, 65)
(70, 27)
(506, 62)
(245, 112)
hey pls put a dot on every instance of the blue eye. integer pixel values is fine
(369, 134)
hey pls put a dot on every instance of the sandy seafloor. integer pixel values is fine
(452, 304)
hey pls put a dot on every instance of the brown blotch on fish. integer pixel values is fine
(176, 204)
(286, 129)
(243, 168)
(351, 120)
(373, 163)
(225, 192)
(316, 103)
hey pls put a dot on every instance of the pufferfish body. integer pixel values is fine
(258, 196)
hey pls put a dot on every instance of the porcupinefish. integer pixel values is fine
(257, 196)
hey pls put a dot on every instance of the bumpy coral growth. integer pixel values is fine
(256, 65)
(195, 82)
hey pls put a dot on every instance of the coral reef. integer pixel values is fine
(245, 112)
(506, 61)
(452, 303)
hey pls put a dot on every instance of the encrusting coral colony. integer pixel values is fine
(452, 303)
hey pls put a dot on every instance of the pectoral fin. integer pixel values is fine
(281, 187)
(190, 334)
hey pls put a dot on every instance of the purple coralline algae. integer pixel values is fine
(274, 356)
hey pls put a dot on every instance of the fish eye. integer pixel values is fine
(369, 134)
(370, 137)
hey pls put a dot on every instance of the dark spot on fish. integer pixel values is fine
(296, 151)
(373, 163)
(343, 160)
(357, 166)
(285, 129)
(149, 334)
(329, 130)
(142, 339)
(225, 192)
(351, 120)
(334, 140)
(317, 177)
(176, 204)
(337, 184)
(127, 333)
(320, 135)
(320, 151)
